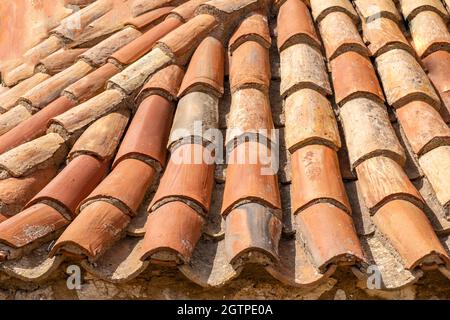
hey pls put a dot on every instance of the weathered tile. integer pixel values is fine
(252, 233)
(382, 35)
(94, 230)
(9, 99)
(71, 185)
(411, 8)
(409, 231)
(147, 136)
(340, 35)
(295, 25)
(166, 83)
(436, 166)
(310, 119)
(250, 115)
(404, 79)
(429, 33)
(131, 175)
(34, 126)
(321, 8)
(252, 164)
(178, 245)
(59, 60)
(371, 10)
(250, 67)
(254, 27)
(197, 116)
(329, 235)
(206, 69)
(189, 176)
(302, 66)
(381, 180)
(102, 137)
(316, 179)
(368, 132)
(423, 127)
(46, 151)
(354, 77)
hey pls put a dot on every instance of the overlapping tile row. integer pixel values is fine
(325, 234)
(375, 153)
(419, 109)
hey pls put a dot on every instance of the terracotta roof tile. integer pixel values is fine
(206, 69)
(32, 56)
(426, 134)
(252, 235)
(186, 10)
(45, 151)
(404, 79)
(37, 223)
(94, 230)
(59, 60)
(310, 120)
(250, 115)
(436, 165)
(252, 28)
(146, 138)
(99, 54)
(16, 192)
(34, 126)
(354, 76)
(316, 179)
(181, 42)
(13, 117)
(437, 64)
(120, 263)
(382, 180)
(371, 10)
(382, 35)
(71, 185)
(249, 67)
(189, 177)
(178, 245)
(302, 66)
(295, 25)
(197, 112)
(142, 6)
(415, 240)
(140, 46)
(330, 236)
(369, 132)
(321, 8)
(92, 84)
(429, 33)
(50, 89)
(250, 164)
(150, 18)
(9, 98)
(102, 137)
(73, 122)
(339, 35)
(411, 9)
(165, 83)
(229, 10)
(135, 75)
(132, 175)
